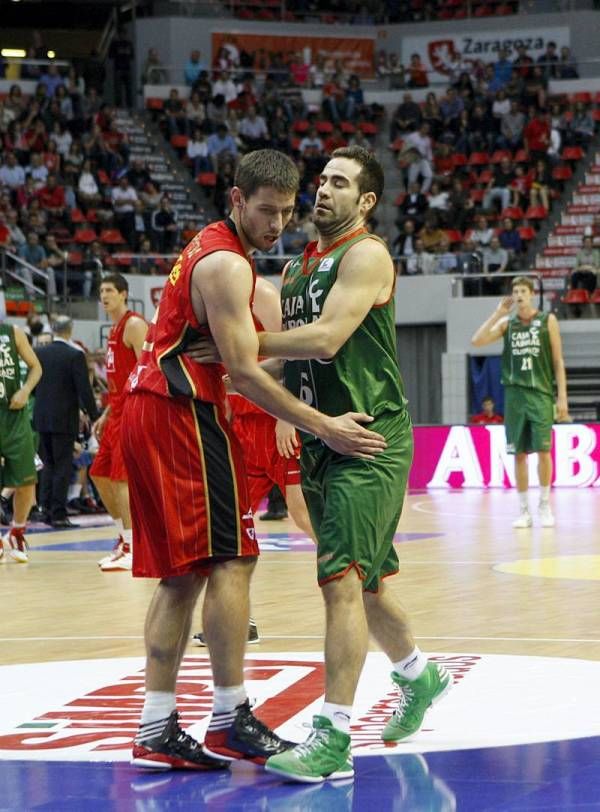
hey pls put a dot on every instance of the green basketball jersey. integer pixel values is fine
(527, 354)
(364, 375)
(10, 368)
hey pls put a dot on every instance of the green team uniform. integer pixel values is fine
(528, 378)
(354, 504)
(16, 435)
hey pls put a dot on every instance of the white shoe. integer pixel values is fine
(16, 546)
(121, 562)
(546, 515)
(114, 553)
(523, 521)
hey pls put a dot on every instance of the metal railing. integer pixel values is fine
(10, 264)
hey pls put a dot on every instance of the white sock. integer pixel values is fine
(74, 491)
(119, 524)
(127, 535)
(544, 494)
(524, 501)
(411, 667)
(18, 526)
(158, 705)
(227, 699)
(338, 715)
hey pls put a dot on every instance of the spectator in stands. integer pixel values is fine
(498, 187)
(407, 117)
(511, 127)
(175, 114)
(280, 129)
(431, 233)
(311, 150)
(253, 130)
(121, 53)
(404, 244)
(88, 191)
(55, 257)
(535, 89)
(224, 86)
(523, 64)
(52, 199)
(355, 98)
(417, 74)
(420, 262)
(396, 73)
(15, 234)
(37, 170)
(124, 200)
(75, 155)
(15, 101)
(5, 233)
(500, 107)
(487, 416)
(438, 201)
(153, 72)
(26, 194)
(495, 261)
(548, 61)
(316, 73)
(62, 138)
(82, 282)
(51, 80)
(482, 234)
(34, 254)
(164, 226)
(195, 111)
(451, 107)
(503, 68)
(509, 237)
(138, 174)
(481, 129)
(567, 66)
(460, 205)
(584, 275)
(12, 175)
(413, 206)
(419, 164)
(65, 103)
(94, 74)
(582, 125)
(470, 261)
(197, 153)
(334, 98)
(432, 115)
(539, 191)
(193, 68)
(150, 197)
(334, 141)
(446, 261)
(221, 146)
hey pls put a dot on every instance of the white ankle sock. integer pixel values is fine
(411, 667)
(544, 494)
(119, 524)
(227, 699)
(157, 705)
(524, 501)
(127, 535)
(338, 715)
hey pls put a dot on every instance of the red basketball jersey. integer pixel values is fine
(163, 368)
(120, 361)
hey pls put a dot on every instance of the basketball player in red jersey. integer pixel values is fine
(125, 342)
(189, 497)
(271, 447)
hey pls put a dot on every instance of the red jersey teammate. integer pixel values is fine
(125, 342)
(189, 498)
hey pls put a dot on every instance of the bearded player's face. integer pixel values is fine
(264, 215)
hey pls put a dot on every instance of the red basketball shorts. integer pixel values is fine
(190, 506)
(265, 466)
(108, 462)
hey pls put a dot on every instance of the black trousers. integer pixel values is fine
(56, 451)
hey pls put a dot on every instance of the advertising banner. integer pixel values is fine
(475, 457)
(357, 53)
(438, 50)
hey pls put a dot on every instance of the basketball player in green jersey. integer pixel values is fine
(532, 364)
(338, 307)
(16, 435)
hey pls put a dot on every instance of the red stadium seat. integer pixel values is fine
(77, 216)
(572, 154)
(536, 213)
(154, 104)
(479, 159)
(576, 297)
(595, 297)
(499, 154)
(75, 258)
(324, 127)
(514, 212)
(206, 179)
(526, 233)
(459, 160)
(84, 236)
(111, 236)
(521, 157)
(348, 128)
(562, 172)
(179, 141)
(301, 126)
(454, 235)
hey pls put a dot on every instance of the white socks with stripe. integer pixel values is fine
(225, 704)
(411, 667)
(338, 715)
(158, 706)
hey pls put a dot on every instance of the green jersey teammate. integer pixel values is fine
(532, 364)
(338, 307)
(16, 435)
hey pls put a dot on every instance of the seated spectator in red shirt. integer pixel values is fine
(417, 73)
(536, 134)
(335, 141)
(52, 197)
(488, 415)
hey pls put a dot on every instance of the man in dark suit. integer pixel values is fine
(63, 390)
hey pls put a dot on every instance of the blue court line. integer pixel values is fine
(560, 776)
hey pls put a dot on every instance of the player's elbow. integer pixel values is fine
(477, 341)
(327, 345)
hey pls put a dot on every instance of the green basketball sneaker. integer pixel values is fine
(417, 696)
(324, 755)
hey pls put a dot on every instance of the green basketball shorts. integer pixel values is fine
(355, 504)
(17, 448)
(528, 417)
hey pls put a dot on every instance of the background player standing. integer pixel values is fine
(189, 496)
(532, 365)
(125, 342)
(16, 435)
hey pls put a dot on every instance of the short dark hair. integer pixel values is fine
(523, 280)
(116, 279)
(370, 178)
(266, 167)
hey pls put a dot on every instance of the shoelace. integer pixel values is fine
(316, 738)
(260, 726)
(406, 697)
